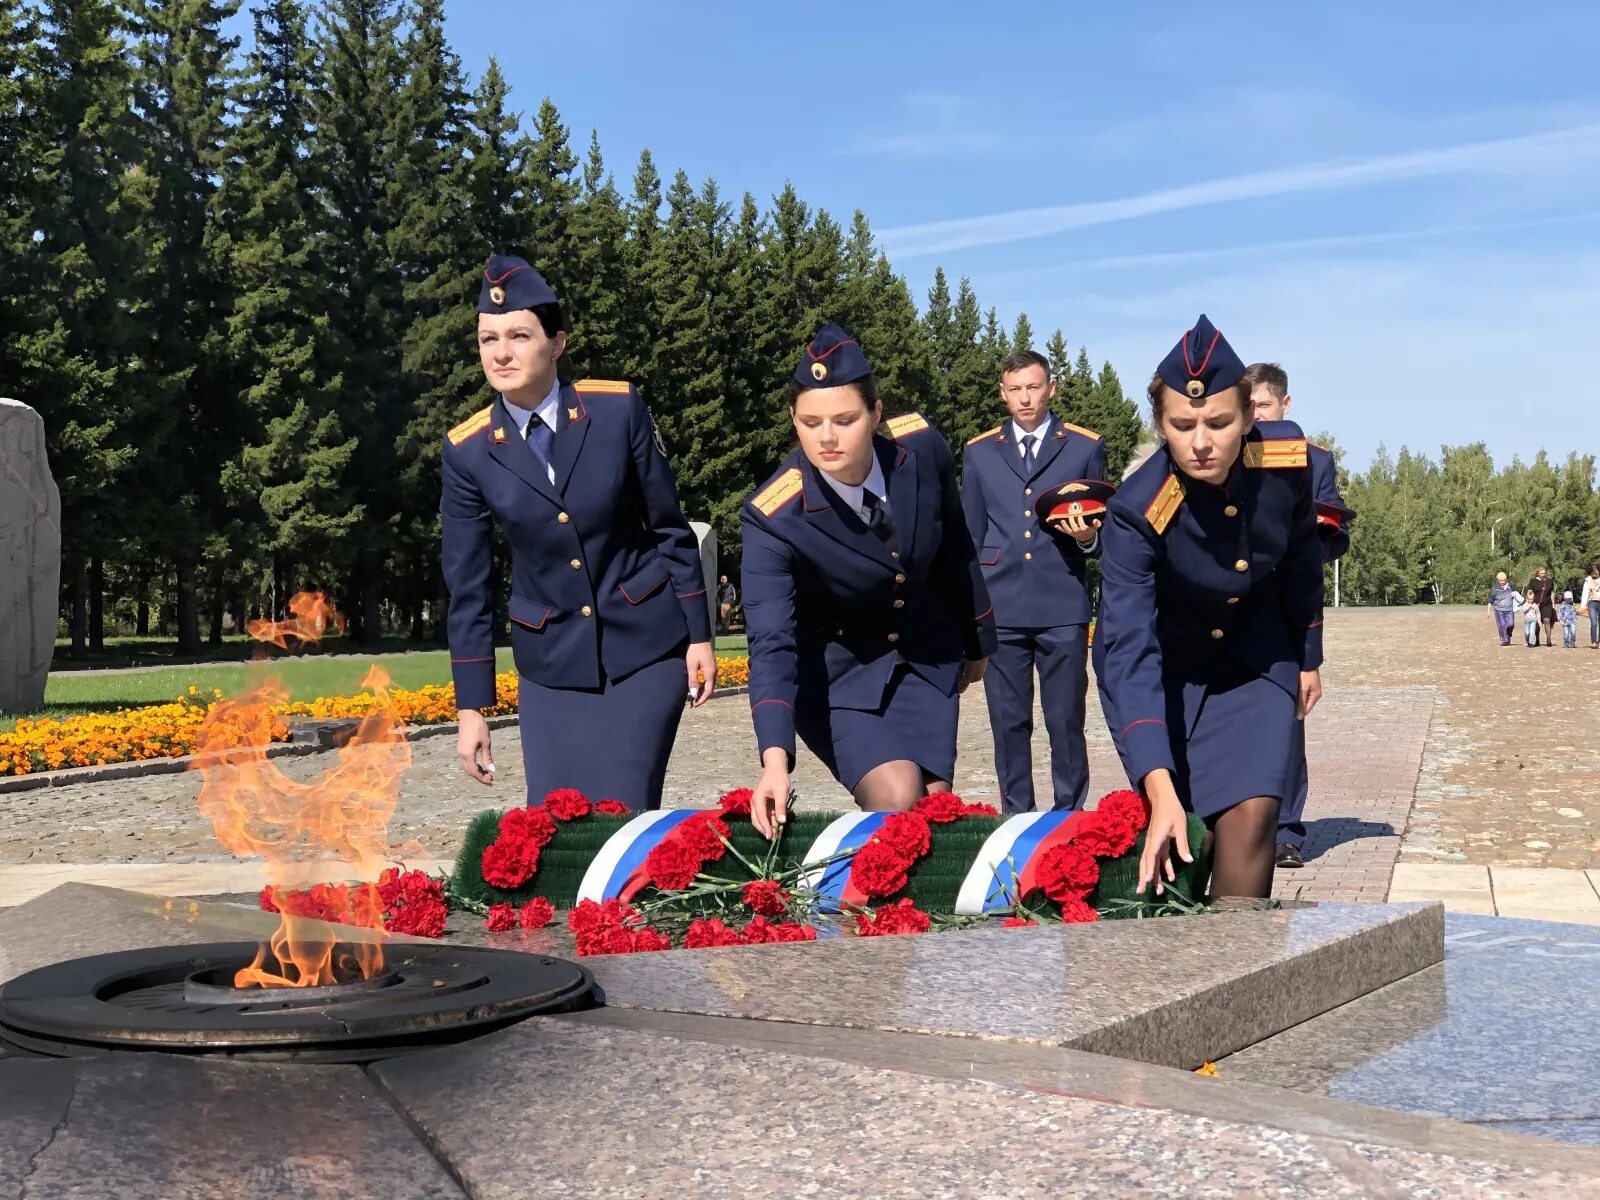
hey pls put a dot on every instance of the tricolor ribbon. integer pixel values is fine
(618, 869)
(1008, 862)
(832, 882)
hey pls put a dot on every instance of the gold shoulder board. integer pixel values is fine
(985, 434)
(779, 492)
(1088, 433)
(1165, 506)
(607, 387)
(900, 426)
(1277, 452)
(473, 424)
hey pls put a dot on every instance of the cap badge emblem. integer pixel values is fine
(1196, 388)
(819, 371)
(497, 294)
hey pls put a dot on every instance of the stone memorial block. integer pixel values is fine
(30, 558)
(707, 539)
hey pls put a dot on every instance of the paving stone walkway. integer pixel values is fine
(1423, 751)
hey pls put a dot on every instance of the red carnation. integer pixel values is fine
(704, 835)
(765, 896)
(501, 917)
(536, 824)
(759, 931)
(908, 832)
(736, 803)
(585, 917)
(567, 804)
(536, 913)
(900, 917)
(940, 807)
(612, 808)
(644, 940)
(979, 810)
(510, 861)
(1076, 912)
(792, 932)
(269, 902)
(709, 931)
(1127, 807)
(1016, 922)
(672, 865)
(1105, 837)
(1067, 872)
(878, 869)
(423, 919)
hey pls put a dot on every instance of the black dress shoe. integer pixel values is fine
(1289, 856)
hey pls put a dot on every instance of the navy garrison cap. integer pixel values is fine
(509, 284)
(831, 360)
(1202, 363)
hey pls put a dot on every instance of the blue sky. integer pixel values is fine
(1399, 202)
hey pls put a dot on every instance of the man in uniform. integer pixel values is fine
(1269, 393)
(1036, 579)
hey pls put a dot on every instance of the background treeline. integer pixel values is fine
(240, 289)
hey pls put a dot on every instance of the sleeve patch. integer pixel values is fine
(987, 433)
(779, 492)
(908, 424)
(1080, 430)
(477, 422)
(604, 387)
(1165, 506)
(1276, 452)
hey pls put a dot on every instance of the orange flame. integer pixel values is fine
(341, 815)
(313, 613)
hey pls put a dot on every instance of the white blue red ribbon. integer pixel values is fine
(849, 832)
(618, 869)
(1007, 862)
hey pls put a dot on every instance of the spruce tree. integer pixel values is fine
(758, 360)
(602, 343)
(547, 196)
(493, 148)
(21, 98)
(973, 377)
(1022, 334)
(641, 313)
(287, 483)
(81, 355)
(355, 160)
(1116, 419)
(1060, 363)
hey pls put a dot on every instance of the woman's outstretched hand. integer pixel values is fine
(769, 800)
(1168, 833)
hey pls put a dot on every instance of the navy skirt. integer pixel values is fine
(611, 742)
(916, 721)
(1239, 743)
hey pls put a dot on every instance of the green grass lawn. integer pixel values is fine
(69, 693)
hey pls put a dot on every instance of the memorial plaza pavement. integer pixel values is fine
(1443, 766)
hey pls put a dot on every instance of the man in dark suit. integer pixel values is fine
(1269, 393)
(1037, 580)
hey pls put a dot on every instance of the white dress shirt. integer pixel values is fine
(850, 493)
(547, 411)
(1041, 433)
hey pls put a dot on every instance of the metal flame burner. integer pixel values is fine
(180, 1000)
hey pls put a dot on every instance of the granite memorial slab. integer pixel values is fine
(1502, 1033)
(160, 1126)
(1178, 992)
(690, 1119)
(30, 558)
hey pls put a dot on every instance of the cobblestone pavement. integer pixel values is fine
(1420, 702)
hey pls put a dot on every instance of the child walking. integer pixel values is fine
(1530, 618)
(1567, 614)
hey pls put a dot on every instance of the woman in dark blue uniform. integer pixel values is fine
(610, 625)
(1209, 643)
(864, 602)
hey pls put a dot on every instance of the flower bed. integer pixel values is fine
(172, 730)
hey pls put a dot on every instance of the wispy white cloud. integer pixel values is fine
(1543, 151)
(935, 124)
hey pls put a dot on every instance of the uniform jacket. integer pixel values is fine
(605, 572)
(1325, 487)
(830, 610)
(1035, 578)
(1200, 583)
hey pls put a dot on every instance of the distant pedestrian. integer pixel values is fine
(1503, 605)
(1544, 595)
(727, 599)
(1590, 602)
(1567, 614)
(1530, 617)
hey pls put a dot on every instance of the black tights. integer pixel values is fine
(1244, 842)
(895, 786)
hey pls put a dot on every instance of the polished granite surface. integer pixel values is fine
(159, 1126)
(1175, 992)
(687, 1118)
(1502, 1033)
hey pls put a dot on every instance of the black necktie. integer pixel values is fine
(1030, 451)
(878, 520)
(541, 440)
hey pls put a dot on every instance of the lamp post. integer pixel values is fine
(1496, 521)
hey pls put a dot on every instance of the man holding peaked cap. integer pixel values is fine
(1036, 570)
(1269, 395)
(609, 622)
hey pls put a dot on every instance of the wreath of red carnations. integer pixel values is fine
(882, 867)
(1069, 873)
(513, 857)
